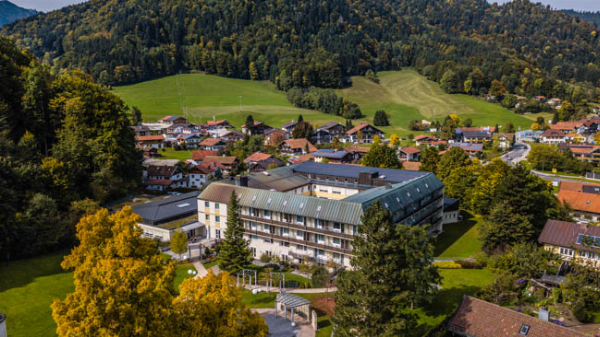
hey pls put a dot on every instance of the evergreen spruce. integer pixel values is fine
(392, 273)
(381, 118)
(235, 253)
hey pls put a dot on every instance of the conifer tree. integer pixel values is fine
(235, 253)
(392, 263)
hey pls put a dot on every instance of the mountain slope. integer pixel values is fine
(319, 42)
(10, 12)
(591, 17)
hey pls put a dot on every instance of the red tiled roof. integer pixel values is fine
(219, 122)
(161, 182)
(566, 125)
(163, 170)
(199, 155)
(360, 127)
(356, 148)
(300, 143)
(410, 150)
(151, 137)
(204, 168)
(302, 158)
(411, 165)
(419, 137)
(221, 159)
(479, 128)
(479, 318)
(572, 193)
(210, 142)
(564, 234)
(553, 133)
(257, 156)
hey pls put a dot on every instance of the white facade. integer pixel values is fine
(197, 180)
(452, 217)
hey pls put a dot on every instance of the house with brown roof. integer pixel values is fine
(504, 141)
(198, 156)
(409, 153)
(478, 318)
(162, 177)
(327, 132)
(552, 136)
(256, 129)
(583, 199)
(357, 152)
(298, 146)
(199, 175)
(213, 144)
(155, 141)
(363, 133)
(574, 242)
(169, 120)
(220, 124)
(429, 141)
(225, 163)
(585, 152)
(263, 165)
(232, 136)
(569, 127)
(289, 127)
(256, 157)
(274, 137)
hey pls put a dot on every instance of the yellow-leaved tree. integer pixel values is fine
(212, 306)
(123, 288)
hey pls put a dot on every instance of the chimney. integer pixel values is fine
(3, 332)
(241, 180)
(388, 186)
(544, 314)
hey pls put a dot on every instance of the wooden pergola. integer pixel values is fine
(295, 303)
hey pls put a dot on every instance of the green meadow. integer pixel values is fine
(405, 95)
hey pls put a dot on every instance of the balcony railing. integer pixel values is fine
(302, 242)
(296, 226)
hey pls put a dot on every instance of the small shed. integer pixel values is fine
(296, 303)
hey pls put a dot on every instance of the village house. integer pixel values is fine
(215, 125)
(357, 152)
(429, 141)
(198, 156)
(274, 137)
(327, 132)
(577, 127)
(292, 147)
(582, 199)
(259, 162)
(141, 130)
(231, 136)
(213, 144)
(409, 153)
(199, 175)
(584, 152)
(169, 120)
(475, 136)
(162, 217)
(163, 177)
(363, 133)
(554, 101)
(577, 243)
(309, 157)
(257, 129)
(332, 156)
(190, 141)
(155, 141)
(451, 211)
(225, 163)
(478, 318)
(552, 136)
(289, 127)
(474, 150)
(504, 141)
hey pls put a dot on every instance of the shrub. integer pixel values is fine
(556, 295)
(319, 277)
(467, 264)
(447, 265)
(264, 258)
(579, 312)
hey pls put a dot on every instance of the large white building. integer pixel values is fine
(313, 210)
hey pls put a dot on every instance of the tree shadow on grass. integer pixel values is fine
(453, 232)
(18, 273)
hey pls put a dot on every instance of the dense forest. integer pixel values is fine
(65, 148)
(10, 12)
(591, 17)
(303, 43)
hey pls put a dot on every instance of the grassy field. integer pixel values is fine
(169, 153)
(459, 240)
(405, 95)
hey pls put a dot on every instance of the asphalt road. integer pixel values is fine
(519, 153)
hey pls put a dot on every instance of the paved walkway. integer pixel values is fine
(294, 290)
(280, 327)
(200, 269)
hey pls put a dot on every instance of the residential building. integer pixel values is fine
(256, 157)
(213, 144)
(274, 137)
(215, 125)
(332, 156)
(583, 199)
(264, 165)
(429, 141)
(577, 127)
(577, 243)
(409, 153)
(478, 318)
(141, 130)
(198, 156)
(231, 136)
(529, 135)
(472, 149)
(302, 158)
(363, 133)
(169, 120)
(320, 226)
(289, 127)
(162, 177)
(190, 140)
(225, 163)
(258, 128)
(504, 141)
(357, 152)
(162, 217)
(327, 132)
(199, 175)
(554, 101)
(155, 141)
(585, 152)
(451, 211)
(552, 136)
(478, 137)
(296, 146)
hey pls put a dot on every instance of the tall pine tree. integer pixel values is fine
(235, 253)
(392, 272)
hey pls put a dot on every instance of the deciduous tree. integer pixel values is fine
(179, 242)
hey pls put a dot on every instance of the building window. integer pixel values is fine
(300, 219)
(217, 218)
(319, 238)
(268, 240)
(266, 228)
(207, 217)
(320, 224)
(524, 330)
(300, 234)
(218, 234)
(217, 205)
(206, 204)
(284, 243)
(566, 251)
(301, 247)
(337, 227)
(354, 230)
(284, 231)
(267, 214)
(252, 225)
(337, 242)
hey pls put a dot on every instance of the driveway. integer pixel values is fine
(518, 154)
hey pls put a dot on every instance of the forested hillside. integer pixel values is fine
(592, 17)
(62, 139)
(10, 12)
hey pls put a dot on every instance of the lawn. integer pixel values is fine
(405, 95)
(169, 153)
(28, 288)
(459, 240)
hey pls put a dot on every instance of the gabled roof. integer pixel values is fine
(327, 153)
(510, 136)
(410, 150)
(160, 182)
(469, 147)
(583, 149)
(212, 142)
(221, 159)
(476, 134)
(219, 122)
(257, 156)
(169, 118)
(302, 158)
(289, 125)
(566, 125)
(553, 133)
(162, 170)
(203, 168)
(329, 125)
(150, 138)
(421, 137)
(411, 165)
(300, 143)
(565, 234)
(580, 196)
(200, 155)
(360, 127)
(358, 149)
(479, 318)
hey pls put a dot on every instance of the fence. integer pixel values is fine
(592, 175)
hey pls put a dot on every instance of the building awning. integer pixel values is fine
(193, 225)
(291, 300)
